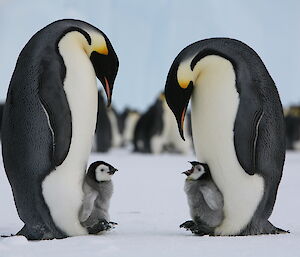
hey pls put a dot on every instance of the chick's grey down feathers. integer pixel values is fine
(96, 201)
(205, 202)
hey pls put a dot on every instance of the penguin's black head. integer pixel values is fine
(106, 66)
(178, 92)
(101, 171)
(100, 51)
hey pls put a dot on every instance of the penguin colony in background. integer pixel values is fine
(49, 120)
(156, 131)
(117, 128)
(292, 128)
(103, 127)
(52, 108)
(237, 125)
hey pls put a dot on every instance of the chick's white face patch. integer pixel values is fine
(101, 173)
(198, 171)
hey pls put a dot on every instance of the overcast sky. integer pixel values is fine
(147, 36)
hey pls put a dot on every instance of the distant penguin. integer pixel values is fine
(204, 199)
(122, 118)
(292, 123)
(149, 125)
(103, 127)
(116, 134)
(171, 138)
(237, 125)
(129, 119)
(49, 121)
(98, 189)
(156, 131)
(1, 115)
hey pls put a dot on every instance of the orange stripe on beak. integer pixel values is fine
(108, 93)
(182, 118)
(182, 123)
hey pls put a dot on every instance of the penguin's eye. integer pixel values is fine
(102, 170)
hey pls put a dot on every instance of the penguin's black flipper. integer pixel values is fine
(54, 100)
(246, 129)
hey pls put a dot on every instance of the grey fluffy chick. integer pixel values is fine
(98, 189)
(204, 199)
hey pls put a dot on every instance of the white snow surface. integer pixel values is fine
(149, 204)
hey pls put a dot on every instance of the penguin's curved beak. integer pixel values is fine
(106, 69)
(178, 97)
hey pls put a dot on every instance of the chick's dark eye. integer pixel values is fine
(102, 169)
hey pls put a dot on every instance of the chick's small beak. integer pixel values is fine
(112, 171)
(188, 172)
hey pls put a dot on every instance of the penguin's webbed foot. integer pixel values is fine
(102, 225)
(37, 232)
(192, 226)
(198, 229)
(188, 225)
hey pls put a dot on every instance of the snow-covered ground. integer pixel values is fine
(149, 204)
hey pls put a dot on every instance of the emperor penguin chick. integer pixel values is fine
(204, 199)
(97, 189)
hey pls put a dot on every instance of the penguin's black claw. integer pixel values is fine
(194, 228)
(5, 236)
(188, 225)
(113, 224)
(102, 225)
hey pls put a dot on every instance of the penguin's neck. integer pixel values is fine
(214, 106)
(65, 182)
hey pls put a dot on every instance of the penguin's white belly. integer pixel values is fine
(214, 107)
(62, 188)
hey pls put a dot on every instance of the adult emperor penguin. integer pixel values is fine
(237, 125)
(49, 121)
